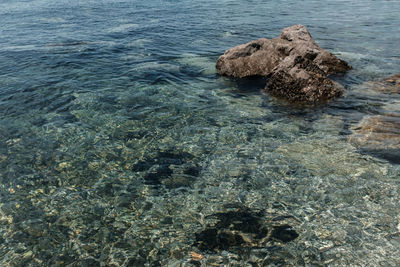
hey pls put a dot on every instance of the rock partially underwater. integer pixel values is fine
(298, 68)
(300, 79)
(389, 85)
(379, 135)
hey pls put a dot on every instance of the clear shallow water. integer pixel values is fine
(119, 144)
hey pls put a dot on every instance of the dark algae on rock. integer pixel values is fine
(300, 79)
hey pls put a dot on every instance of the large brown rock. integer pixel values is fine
(279, 58)
(260, 57)
(378, 132)
(257, 58)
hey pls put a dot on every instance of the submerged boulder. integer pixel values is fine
(389, 85)
(379, 135)
(279, 59)
(241, 229)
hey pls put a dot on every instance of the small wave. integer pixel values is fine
(139, 43)
(229, 34)
(351, 56)
(52, 20)
(72, 43)
(206, 65)
(20, 48)
(123, 27)
(156, 66)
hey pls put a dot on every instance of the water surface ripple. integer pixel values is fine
(120, 146)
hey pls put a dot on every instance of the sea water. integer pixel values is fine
(121, 146)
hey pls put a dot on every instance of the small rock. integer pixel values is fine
(2, 158)
(63, 165)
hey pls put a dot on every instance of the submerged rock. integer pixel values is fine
(279, 59)
(389, 85)
(379, 135)
(170, 168)
(242, 228)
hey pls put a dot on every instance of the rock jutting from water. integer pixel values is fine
(298, 68)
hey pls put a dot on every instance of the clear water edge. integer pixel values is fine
(95, 98)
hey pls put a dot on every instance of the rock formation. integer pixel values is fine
(297, 66)
(300, 79)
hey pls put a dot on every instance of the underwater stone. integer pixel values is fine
(155, 177)
(241, 228)
(388, 85)
(284, 233)
(171, 168)
(379, 135)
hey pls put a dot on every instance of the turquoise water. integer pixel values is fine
(121, 146)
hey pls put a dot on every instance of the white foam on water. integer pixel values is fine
(124, 27)
(228, 34)
(155, 66)
(20, 48)
(206, 65)
(52, 20)
(139, 42)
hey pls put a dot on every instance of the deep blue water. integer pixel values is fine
(121, 146)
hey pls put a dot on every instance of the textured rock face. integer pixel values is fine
(300, 79)
(261, 56)
(257, 58)
(295, 63)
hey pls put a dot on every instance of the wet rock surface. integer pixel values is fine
(279, 58)
(300, 79)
